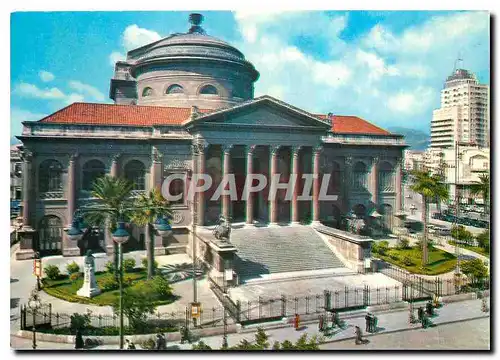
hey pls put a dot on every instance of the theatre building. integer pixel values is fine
(185, 104)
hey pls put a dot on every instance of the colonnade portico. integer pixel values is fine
(200, 153)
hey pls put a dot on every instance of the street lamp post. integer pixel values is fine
(457, 199)
(121, 236)
(224, 284)
(34, 304)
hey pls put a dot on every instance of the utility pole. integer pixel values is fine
(224, 338)
(457, 248)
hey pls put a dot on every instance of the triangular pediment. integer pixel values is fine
(264, 112)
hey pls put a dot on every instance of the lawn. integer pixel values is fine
(440, 261)
(476, 249)
(66, 289)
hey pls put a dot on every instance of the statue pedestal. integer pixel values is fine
(89, 288)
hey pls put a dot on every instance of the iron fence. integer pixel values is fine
(265, 309)
(174, 320)
(416, 287)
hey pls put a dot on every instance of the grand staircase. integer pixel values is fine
(270, 250)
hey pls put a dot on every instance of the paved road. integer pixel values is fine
(390, 322)
(416, 199)
(468, 335)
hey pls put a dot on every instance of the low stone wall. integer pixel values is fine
(353, 248)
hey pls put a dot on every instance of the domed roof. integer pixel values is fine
(194, 44)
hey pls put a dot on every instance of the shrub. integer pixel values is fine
(161, 286)
(150, 344)
(138, 302)
(128, 280)
(72, 268)
(403, 243)
(483, 240)
(375, 248)
(144, 263)
(52, 272)
(393, 256)
(408, 261)
(80, 321)
(110, 267)
(201, 346)
(108, 283)
(383, 247)
(128, 265)
(74, 276)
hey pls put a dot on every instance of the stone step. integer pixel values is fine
(276, 250)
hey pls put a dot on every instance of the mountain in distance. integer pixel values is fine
(416, 139)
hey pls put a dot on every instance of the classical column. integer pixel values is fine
(71, 196)
(249, 212)
(27, 233)
(295, 172)
(198, 149)
(348, 160)
(114, 165)
(399, 188)
(156, 169)
(273, 204)
(27, 188)
(70, 247)
(226, 201)
(316, 184)
(374, 180)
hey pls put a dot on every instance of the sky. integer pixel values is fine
(387, 67)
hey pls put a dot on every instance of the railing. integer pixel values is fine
(174, 320)
(52, 195)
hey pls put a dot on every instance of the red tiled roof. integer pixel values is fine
(354, 125)
(111, 114)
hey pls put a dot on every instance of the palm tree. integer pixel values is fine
(114, 198)
(482, 188)
(151, 206)
(430, 187)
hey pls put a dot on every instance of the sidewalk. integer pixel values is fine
(388, 322)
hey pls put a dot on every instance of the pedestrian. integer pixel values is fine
(159, 342)
(429, 308)
(334, 319)
(359, 336)
(420, 313)
(79, 340)
(296, 322)
(321, 323)
(129, 345)
(367, 321)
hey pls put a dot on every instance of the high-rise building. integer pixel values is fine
(464, 114)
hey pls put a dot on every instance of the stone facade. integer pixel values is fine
(220, 133)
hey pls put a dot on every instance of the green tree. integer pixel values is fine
(138, 302)
(483, 240)
(429, 187)
(461, 234)
(151, 207)
(482, 188)
(113, 196)
(261, 338)
(474, 269)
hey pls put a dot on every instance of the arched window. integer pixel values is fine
(335, 179)
(386, 177)
(176, 187)
(92, 170)
(135, 172)
(50, 236)
(50, 176)
(386, 211)
(360, 176)
(147, 91)
(174, 89)
(208, 90)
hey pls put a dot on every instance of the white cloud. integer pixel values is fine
(17, 116)
(30, 90)
(134, 37)
(46, 76)
(116, 56)
(73, 97)
(86, 89)
(414, 101)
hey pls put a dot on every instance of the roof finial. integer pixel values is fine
(196, 19)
